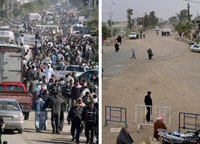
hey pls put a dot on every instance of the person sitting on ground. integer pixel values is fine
(158, 125)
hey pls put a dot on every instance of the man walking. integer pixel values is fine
(74, 117)
(90, 117)
(133, 53)
(55, 104)
(39, 107)
(148, 103)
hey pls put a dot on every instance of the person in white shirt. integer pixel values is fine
(49, 72)
(21, 40)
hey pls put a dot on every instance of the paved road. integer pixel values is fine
(172, 76)
(30, 136)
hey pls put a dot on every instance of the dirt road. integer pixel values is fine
(173, 76)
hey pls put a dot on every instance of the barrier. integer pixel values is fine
(140, 115)
(190, 121)
(112, 118)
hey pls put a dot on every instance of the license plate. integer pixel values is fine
(7, 119)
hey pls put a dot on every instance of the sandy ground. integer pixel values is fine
(173, 76)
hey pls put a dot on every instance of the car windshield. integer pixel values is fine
(10, 88)
(8, 105)
(132, 33)
(77, 69)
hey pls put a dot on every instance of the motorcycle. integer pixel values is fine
(169, 137)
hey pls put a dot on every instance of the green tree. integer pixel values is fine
(2, 2)
(173, 19)
(105, 31)
(129, 22)
(92, 25)
(153, 19)
(183, 15)
(146, 20)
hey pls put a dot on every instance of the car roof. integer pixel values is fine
(8, 99)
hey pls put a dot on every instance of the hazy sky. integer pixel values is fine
(163, 8)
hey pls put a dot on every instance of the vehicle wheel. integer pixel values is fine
(26, 116)
(20, 131)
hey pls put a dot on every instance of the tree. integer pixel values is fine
(2, 2)
(183, 15)
(76, 3)
(129, 22)
(173, 19)
(145, 20)
(105, 31)
(92, 25)
(153, 19)
(150, 19)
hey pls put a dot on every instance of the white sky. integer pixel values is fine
(163, 8)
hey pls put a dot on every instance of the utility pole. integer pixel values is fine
(188, 12)
(111, 31)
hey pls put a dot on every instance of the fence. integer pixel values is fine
(190, 121)
(121, 117)
(155, 111)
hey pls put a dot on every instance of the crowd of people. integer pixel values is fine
(70, 98)
(77, 96)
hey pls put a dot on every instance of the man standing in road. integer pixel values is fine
(133, 53)
(116, 47)
(76, 92)
(75, 116)
(90, 117)
(39, 106)
(48, 72)
(148, 103)
(119, 39)
(55, 104)
(21, 40)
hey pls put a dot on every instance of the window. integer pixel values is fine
(11, 106)
(10, 88)
(21, 88)
(1, 87)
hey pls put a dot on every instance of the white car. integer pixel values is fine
(133, 35)
(195, 48)
(69, 69)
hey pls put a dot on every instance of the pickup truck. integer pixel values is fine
(19, 92)
(69, 69)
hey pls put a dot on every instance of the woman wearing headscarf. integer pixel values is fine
(124, 137)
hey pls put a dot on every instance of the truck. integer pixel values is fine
(11, 75)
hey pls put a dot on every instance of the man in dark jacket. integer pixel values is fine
(55, 104)
(90, 117)
(75, 116)
(66, 92)
(76, 92)
(55, 88)
(119, 39)
(148, 103)
(116, 47)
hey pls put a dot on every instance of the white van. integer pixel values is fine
(7, 36)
